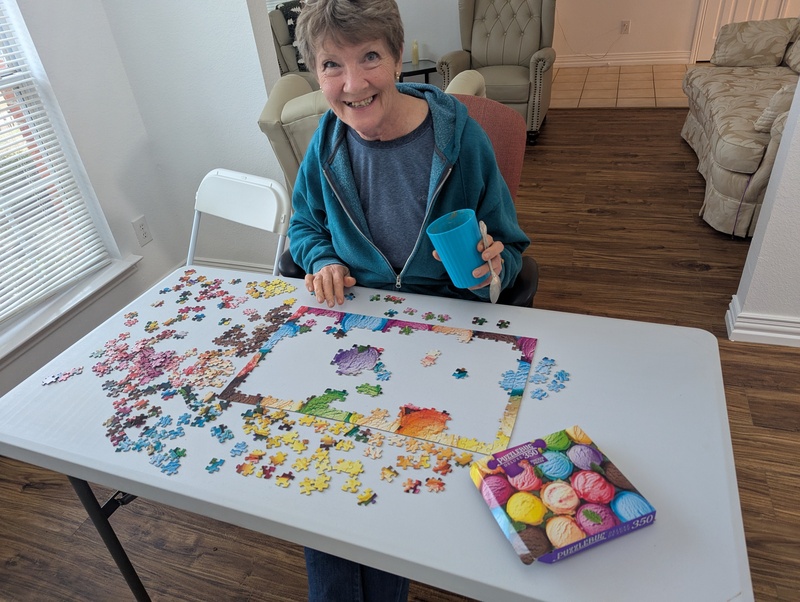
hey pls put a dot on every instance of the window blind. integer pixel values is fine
(48, 240)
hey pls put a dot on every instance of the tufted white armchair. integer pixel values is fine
(509, 42)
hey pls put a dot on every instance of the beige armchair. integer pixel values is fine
(294, 107)
(281, 20)
(509, 42)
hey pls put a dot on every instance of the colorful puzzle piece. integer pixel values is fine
(352, 484)
(214, 465)
(412, 485)
(367, 498)
(434, 485)
(388, 473)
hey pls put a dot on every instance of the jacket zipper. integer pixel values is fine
(398, 283)
(436, 192)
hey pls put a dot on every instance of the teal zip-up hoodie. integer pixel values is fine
(328, 224)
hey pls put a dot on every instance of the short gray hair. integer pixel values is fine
(348, 22)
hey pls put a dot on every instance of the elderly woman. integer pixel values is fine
(385, 162)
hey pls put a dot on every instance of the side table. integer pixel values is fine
(424, 67)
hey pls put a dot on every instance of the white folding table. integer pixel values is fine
(651, 396)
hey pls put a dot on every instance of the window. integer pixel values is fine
(48, 237)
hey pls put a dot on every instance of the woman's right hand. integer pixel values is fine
(329, 283)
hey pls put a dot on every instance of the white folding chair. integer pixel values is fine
(246, 199)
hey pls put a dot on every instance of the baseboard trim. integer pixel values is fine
(623, 58)
(759, 328)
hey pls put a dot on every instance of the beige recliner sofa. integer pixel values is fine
(737, 111)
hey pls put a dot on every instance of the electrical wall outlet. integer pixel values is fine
(142, 230)
(626, 27)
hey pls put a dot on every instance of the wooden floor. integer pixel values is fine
(610, 199)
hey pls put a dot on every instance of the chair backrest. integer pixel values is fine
(505, 32)
(243, 198)
(507, 132)
(289, 120)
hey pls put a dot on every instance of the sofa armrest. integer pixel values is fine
(776, 132)
(542, 60)
(451, 64)
(760, 179)
(285, 89)
(753, 43)
(468, 82)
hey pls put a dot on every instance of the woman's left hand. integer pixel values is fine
(490, 253)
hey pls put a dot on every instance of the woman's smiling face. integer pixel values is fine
(359, 83)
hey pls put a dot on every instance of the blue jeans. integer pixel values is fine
(334, 579)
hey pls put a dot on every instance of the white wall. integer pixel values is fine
(587, 31)
(766, 307)
(434, 24)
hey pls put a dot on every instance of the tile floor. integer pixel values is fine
(620, 86)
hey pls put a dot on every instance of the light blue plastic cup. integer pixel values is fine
(455, 237)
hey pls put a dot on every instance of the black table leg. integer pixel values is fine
(99, 517)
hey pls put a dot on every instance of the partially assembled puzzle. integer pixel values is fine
(390, 375)
(304, 395)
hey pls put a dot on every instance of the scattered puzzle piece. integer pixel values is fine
(245, 469)
(430, 358)
(412, 445)
(445, 453)
(367, 389)
(301, 464)
(352, 484)
(307, 486)
(388, 473)
(351, 467)
(62, 376)
(373, 452)
(443, 467)
(345, 445)
(405, 462)
(322, 482)
(277, 459)
(239, 449)
(366, 498)
(266, 471)
(463, 459)
(255, 456)
(460, 373)
(376, 439)
(284, 480)
(412, 485)
(434, 485)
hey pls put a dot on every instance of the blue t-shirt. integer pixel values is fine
(392, 180)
